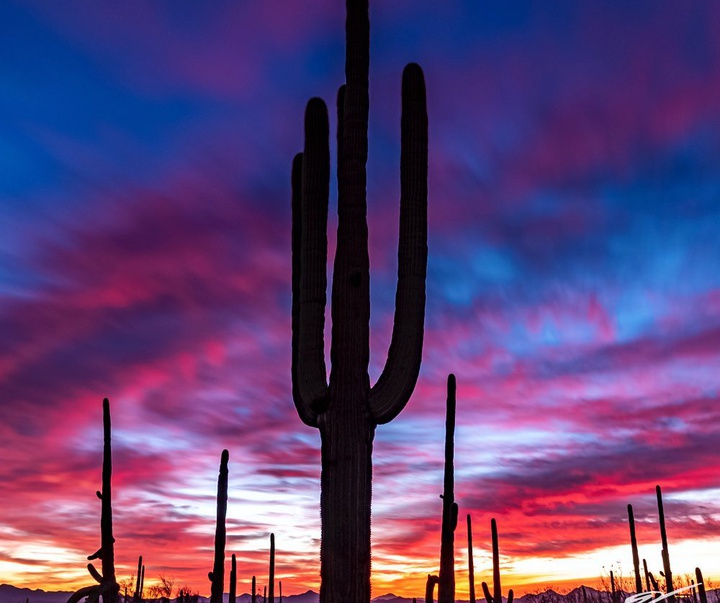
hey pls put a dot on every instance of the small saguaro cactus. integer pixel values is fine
(271, 572)
(471, 564)
(635, 554)
(217, 575)
(137, 595)
(446, 585)
(253, 591)
(107, 586)
(232, 595)
(430, 587)
(667, 571)
(497, 596)
(700, 585)
(613, 594)
(346, 409)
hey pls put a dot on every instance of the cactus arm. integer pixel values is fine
(304, 409)
(309, 286)
(397, 381)
(486, 592)
(471, 564)
(80, 594)
(430, 587)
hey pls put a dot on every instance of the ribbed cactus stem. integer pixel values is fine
(136, 596)
(347, 409)
(106, 524)
(497, 596)
(665, 553)
(430, 587)
(446, 585)
(232, 595)
(471, 564)
(217, 575)
(271, 577)
(635, 554)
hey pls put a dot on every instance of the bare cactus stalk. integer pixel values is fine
(280, 589)
(497, 597)
(217, 575)
(613, 596)
(700, 585)
(665, 553)
(446, 585)
(635, 554)
(138, 591)
(471, 565)
(647, 576)
(253, 591)
(347, 409)
(232, 595)
(271, 577)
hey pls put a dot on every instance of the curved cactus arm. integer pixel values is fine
(310, 207)
(486, 591)
(81, 593)
(396, 383)
(303, 406)
(94, 573)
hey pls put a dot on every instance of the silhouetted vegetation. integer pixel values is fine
(347, 410)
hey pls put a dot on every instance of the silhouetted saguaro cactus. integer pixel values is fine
(107, 586)
(635, 554)
(264, 594)
(232, 595)
(137, 595)
(613, 595)
(271, 572)
(446, 585)
(217, 575)
(667, 571)
(471, 564)
(430, 587)
(253, 591)
(647, 576)
(347, 410)
(497, 597)
(700, 585)
(280, 591)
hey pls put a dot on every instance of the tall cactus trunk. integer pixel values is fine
(446, 585)
(635, 554)
(271, 571)
(471, 564)
(253, 590)
(665, 553)
(217, 575)
(347, 409)
(106, 524)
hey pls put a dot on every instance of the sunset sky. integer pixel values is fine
(573, 284)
